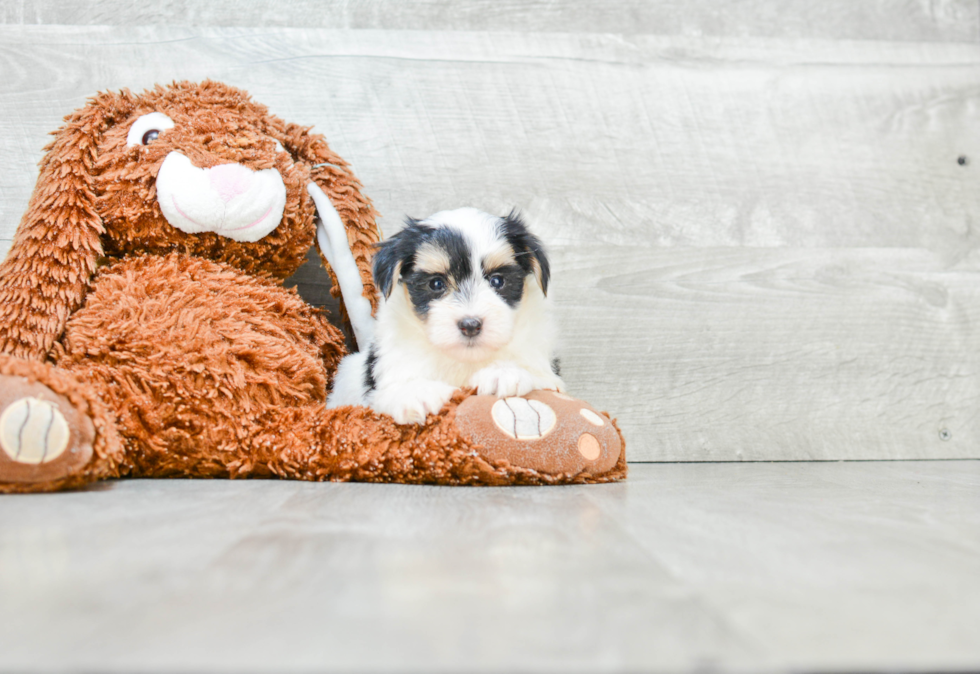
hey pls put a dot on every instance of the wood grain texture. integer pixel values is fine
(751, 354)
(652, 140)
(785, 183)
(799, 567)
(907, 20)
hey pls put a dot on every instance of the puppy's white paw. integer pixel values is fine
(550, 382)
(503, 380)
(411, 403)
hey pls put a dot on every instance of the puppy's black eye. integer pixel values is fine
(437, 284)
(497, 281)
(150, 136)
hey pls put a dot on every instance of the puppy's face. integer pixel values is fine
(463, 274)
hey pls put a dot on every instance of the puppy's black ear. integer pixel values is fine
(542, 268)
(396, 255)
(528, 249)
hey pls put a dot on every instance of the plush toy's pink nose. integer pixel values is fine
(230, 180)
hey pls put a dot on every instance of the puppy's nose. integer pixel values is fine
(470, 326)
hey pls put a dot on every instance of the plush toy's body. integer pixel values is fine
(141, 337)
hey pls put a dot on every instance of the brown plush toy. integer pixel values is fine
(145, 331)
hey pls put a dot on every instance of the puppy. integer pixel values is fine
(464, 304)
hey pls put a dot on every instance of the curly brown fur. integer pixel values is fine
(183, 349)
(189, 351)
(91, 184)
(44, 277)
(204, 117)
(260, 385)
(356, 444)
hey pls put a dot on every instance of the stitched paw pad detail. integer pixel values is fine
(546, 431)
(43, 436)
(33, 431)
(523, 419)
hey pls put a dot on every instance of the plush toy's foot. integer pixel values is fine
(547, 432)
(43, 438)
(542, 438)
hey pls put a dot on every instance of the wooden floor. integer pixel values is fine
(685, 567)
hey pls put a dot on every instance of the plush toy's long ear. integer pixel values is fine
(57, 245)
(333, 175)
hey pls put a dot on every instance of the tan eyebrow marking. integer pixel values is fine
(432, 259)
(501, 257)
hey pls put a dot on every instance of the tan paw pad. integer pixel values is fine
(523, 419)
(543, 431)
(33, 431)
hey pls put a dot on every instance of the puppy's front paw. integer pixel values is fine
(503, 380)
(411, 403)
(550, 382)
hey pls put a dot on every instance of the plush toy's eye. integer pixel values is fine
(437, 284)
(147, 128)
(497, 281)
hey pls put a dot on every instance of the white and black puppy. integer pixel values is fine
(464, 304)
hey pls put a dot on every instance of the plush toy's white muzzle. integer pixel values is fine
(231, 200)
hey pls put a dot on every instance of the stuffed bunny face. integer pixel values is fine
(192, 168)
(182, 170)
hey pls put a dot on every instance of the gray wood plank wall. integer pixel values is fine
(766, 246)
(911, 20)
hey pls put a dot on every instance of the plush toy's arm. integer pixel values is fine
(331, 237)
